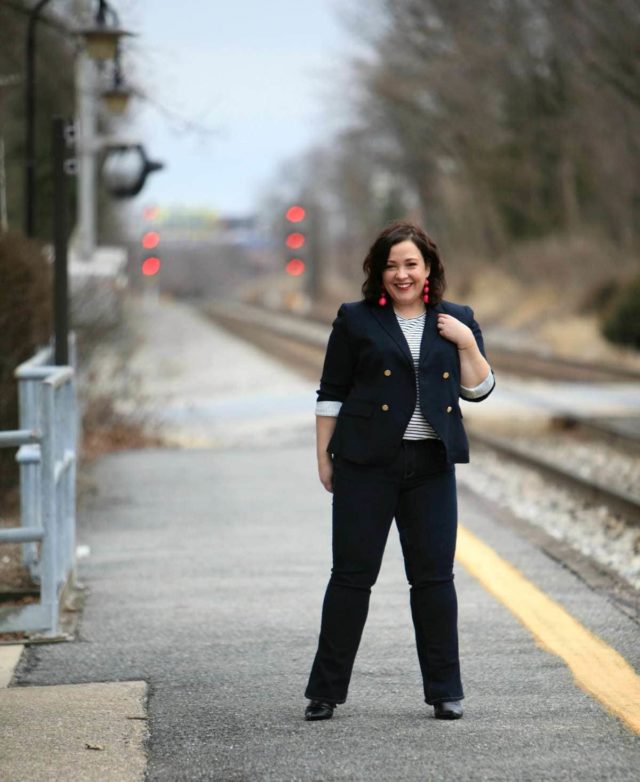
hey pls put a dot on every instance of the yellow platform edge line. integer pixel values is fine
(596, 667)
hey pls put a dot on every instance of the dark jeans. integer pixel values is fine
(419, 490)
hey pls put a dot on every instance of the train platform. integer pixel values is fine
(205, 579)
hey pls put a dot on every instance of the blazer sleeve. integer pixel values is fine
(338, 369)
(477, 333)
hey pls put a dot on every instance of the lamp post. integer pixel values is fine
(101, 42)
(30, 110)
(6, 82)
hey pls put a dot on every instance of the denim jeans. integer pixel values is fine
(419, 490)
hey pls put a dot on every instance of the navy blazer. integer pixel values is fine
(369, 368)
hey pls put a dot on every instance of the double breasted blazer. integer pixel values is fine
(369, 368)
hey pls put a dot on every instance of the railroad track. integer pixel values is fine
(625, 504)
(302, 343)
(522, 363)
(620, 431)
(548, 367)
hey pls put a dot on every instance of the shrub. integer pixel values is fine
(25, 325)
(621, 324)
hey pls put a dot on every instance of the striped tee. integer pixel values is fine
(418, 427)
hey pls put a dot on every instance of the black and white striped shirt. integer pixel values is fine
(418, 427)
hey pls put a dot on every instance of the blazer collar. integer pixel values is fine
(386, 317)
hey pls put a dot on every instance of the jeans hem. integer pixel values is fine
(446, 699)
(325, 698)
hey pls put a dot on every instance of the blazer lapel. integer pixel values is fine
(386, 317)
(430, 333)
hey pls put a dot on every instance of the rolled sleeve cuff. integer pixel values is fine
(481, 389)
(328, 407)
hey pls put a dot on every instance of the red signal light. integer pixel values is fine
(295, 241)
(295, 267)
(150, 266)
(151, 212)
(150, 240)
(295, 214)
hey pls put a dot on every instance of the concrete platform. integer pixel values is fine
(205, 583)
(206, 579)
(88, 732)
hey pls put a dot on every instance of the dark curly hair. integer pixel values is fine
(376, 260)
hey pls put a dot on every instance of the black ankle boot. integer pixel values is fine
(448, 710)
(319, 710)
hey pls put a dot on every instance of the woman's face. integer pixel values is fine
(404, 274)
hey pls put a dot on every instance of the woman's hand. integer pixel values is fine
(325, 427)
(455, 331)
(473, 365)
(325, 471)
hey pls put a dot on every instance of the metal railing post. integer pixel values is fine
(48, 550)
(47, 446)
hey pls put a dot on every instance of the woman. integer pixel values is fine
(389, 432)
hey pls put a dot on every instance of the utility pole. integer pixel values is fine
(30, 113)
(60, 274)
(4, 220)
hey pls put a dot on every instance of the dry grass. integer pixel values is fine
(105, 430)
(15, 579)
(551, 293)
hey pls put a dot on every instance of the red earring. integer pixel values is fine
(383, 299)
(425, 296)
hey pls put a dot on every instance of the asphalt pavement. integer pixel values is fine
(205, 580)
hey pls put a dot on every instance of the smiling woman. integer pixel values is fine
(389, 432)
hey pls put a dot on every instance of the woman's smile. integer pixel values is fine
(404, 275)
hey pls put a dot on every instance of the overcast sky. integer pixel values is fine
(255, 72)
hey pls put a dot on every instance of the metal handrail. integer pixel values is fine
(47, 455)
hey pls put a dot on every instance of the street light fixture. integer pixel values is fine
(101, 41)
(116, 98)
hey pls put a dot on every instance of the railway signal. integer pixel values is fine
(151, 266)
(295, 213)
(150, 240)
(151, 263)
(151, 213)
(295, 267)
(295, 240)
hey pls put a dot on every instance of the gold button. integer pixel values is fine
(385, 407)
(445, 375)
(449, 409)
(387, 372)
